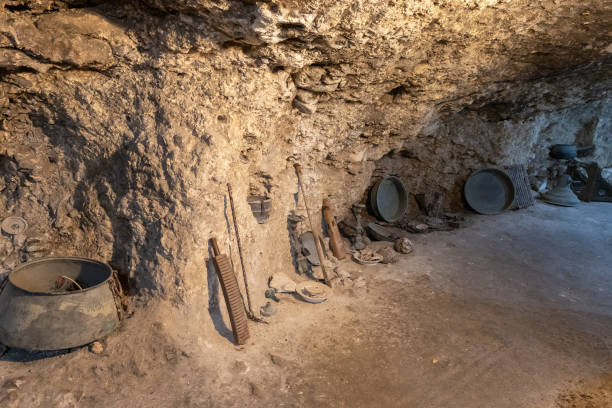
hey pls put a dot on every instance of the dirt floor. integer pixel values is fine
(513, 311)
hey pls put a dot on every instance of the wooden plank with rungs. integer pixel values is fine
(231, 293)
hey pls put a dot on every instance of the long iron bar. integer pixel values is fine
(244, 274)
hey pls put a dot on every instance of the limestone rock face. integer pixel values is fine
(121, 123)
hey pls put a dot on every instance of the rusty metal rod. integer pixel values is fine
(315, 232)
(244, 274)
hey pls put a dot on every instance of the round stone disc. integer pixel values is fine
(14, 225)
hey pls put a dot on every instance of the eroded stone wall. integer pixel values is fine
(121, 123)
(442, 156)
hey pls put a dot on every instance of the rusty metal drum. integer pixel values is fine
(37, 313)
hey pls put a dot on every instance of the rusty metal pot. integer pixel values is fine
(36, 315)
(563, 151)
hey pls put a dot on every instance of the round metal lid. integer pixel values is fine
(489, 191)
(389, 199)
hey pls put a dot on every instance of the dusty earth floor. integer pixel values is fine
(513, 311)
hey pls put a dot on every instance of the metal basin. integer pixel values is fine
(389, 199)
(489, 191)
(34, 315)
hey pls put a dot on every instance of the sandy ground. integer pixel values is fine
(513, 311)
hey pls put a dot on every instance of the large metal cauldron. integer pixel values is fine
(34, 315)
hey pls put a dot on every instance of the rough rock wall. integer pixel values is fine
(121, 123)
(443, 155)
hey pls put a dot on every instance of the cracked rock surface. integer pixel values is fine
(122, 122)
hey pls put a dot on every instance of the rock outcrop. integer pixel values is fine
(121, 123)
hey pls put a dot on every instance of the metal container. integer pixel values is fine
(35, 316)
(260, 207)
(563, 151)
(489, 191)
(389, 199)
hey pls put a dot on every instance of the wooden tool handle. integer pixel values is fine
(298, 169)
(334, 233)
(215, 246)
(315, 232)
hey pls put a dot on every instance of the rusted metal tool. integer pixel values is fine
(315, 231)
(332, 228)
(231, 293)
(250, 313)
